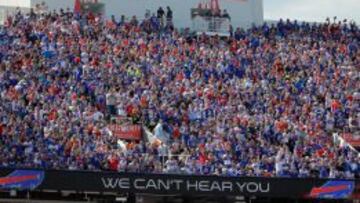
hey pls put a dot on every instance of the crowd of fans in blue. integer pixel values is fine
(263, 102)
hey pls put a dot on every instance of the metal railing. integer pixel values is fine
(216, 25)
(163, 158)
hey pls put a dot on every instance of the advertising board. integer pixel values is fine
(170, 184)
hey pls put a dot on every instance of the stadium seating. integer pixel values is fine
(264, 102)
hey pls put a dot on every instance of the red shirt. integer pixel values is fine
(143, 102)
(335, 105)
(129, 109)
(53, 90)
(202, 158)
(180, 76)
(176, 133)
(113, 164)
(281, 126)
(320, 152)
(52, 115)
(77, 60)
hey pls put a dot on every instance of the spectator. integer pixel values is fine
(225, 14)
(263, 103)
(160, 15)
(169, 14)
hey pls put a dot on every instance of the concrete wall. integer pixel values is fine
(243, 12)
(15, 3)
(55, 4)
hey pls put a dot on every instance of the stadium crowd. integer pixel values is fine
(264, 102)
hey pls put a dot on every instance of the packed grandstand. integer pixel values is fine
(263, 102)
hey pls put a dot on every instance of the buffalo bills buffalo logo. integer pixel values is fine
(22, 180)
(334, 190)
